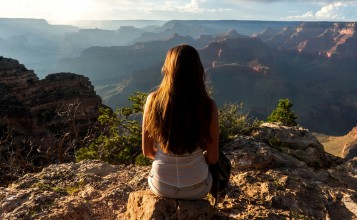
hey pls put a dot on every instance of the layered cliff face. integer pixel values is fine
(42, 121)
(316, 38)
(30, 106)
(15, 80)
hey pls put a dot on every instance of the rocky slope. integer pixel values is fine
(343, 146)
(38, 117)
(278, 173)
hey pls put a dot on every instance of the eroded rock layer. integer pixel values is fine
(30, 106)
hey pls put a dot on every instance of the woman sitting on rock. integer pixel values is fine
(180, 128)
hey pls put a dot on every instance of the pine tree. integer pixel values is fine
(283, 113)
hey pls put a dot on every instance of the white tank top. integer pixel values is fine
(180, 170)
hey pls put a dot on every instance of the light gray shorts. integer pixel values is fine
(197, 191)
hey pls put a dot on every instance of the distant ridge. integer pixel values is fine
(114, 24)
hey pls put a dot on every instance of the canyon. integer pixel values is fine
(253, 62)
(277, 171)
(312, 64)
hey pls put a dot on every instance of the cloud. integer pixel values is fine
(330, 11)
(193, 6)
(327, 12)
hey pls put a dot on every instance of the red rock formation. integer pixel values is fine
(318, 38)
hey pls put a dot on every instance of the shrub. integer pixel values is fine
(232, 122)
(120, 138)
(283, 113)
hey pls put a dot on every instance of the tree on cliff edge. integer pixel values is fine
(283, 113)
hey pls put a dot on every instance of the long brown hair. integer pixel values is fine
(179, 113)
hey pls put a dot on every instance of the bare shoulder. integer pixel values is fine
(149, 97)
(214, 107)
(148, 101)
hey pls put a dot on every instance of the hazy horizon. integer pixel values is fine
(68, 12)
(141, 23)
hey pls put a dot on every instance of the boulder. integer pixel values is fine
(145, 205)
(295, 141)
(246, 153)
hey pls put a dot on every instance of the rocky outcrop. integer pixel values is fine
(145, 205)
(86, 190)
(266, 183)
(29, 105)
(39, 118)
(298, 142)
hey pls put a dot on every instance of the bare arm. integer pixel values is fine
(212, 146)
(147, 143)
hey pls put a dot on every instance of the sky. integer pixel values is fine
(65, 11)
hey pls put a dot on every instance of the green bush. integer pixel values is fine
(232, 122)
(142, 161)
(283, 113)
(87, 153)
(120, 138)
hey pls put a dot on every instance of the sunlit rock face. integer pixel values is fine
(316, 38)
(350, 147)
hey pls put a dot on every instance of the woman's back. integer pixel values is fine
(182, 118)
(180, 170)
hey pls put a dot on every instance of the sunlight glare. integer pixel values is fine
(74, 10)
